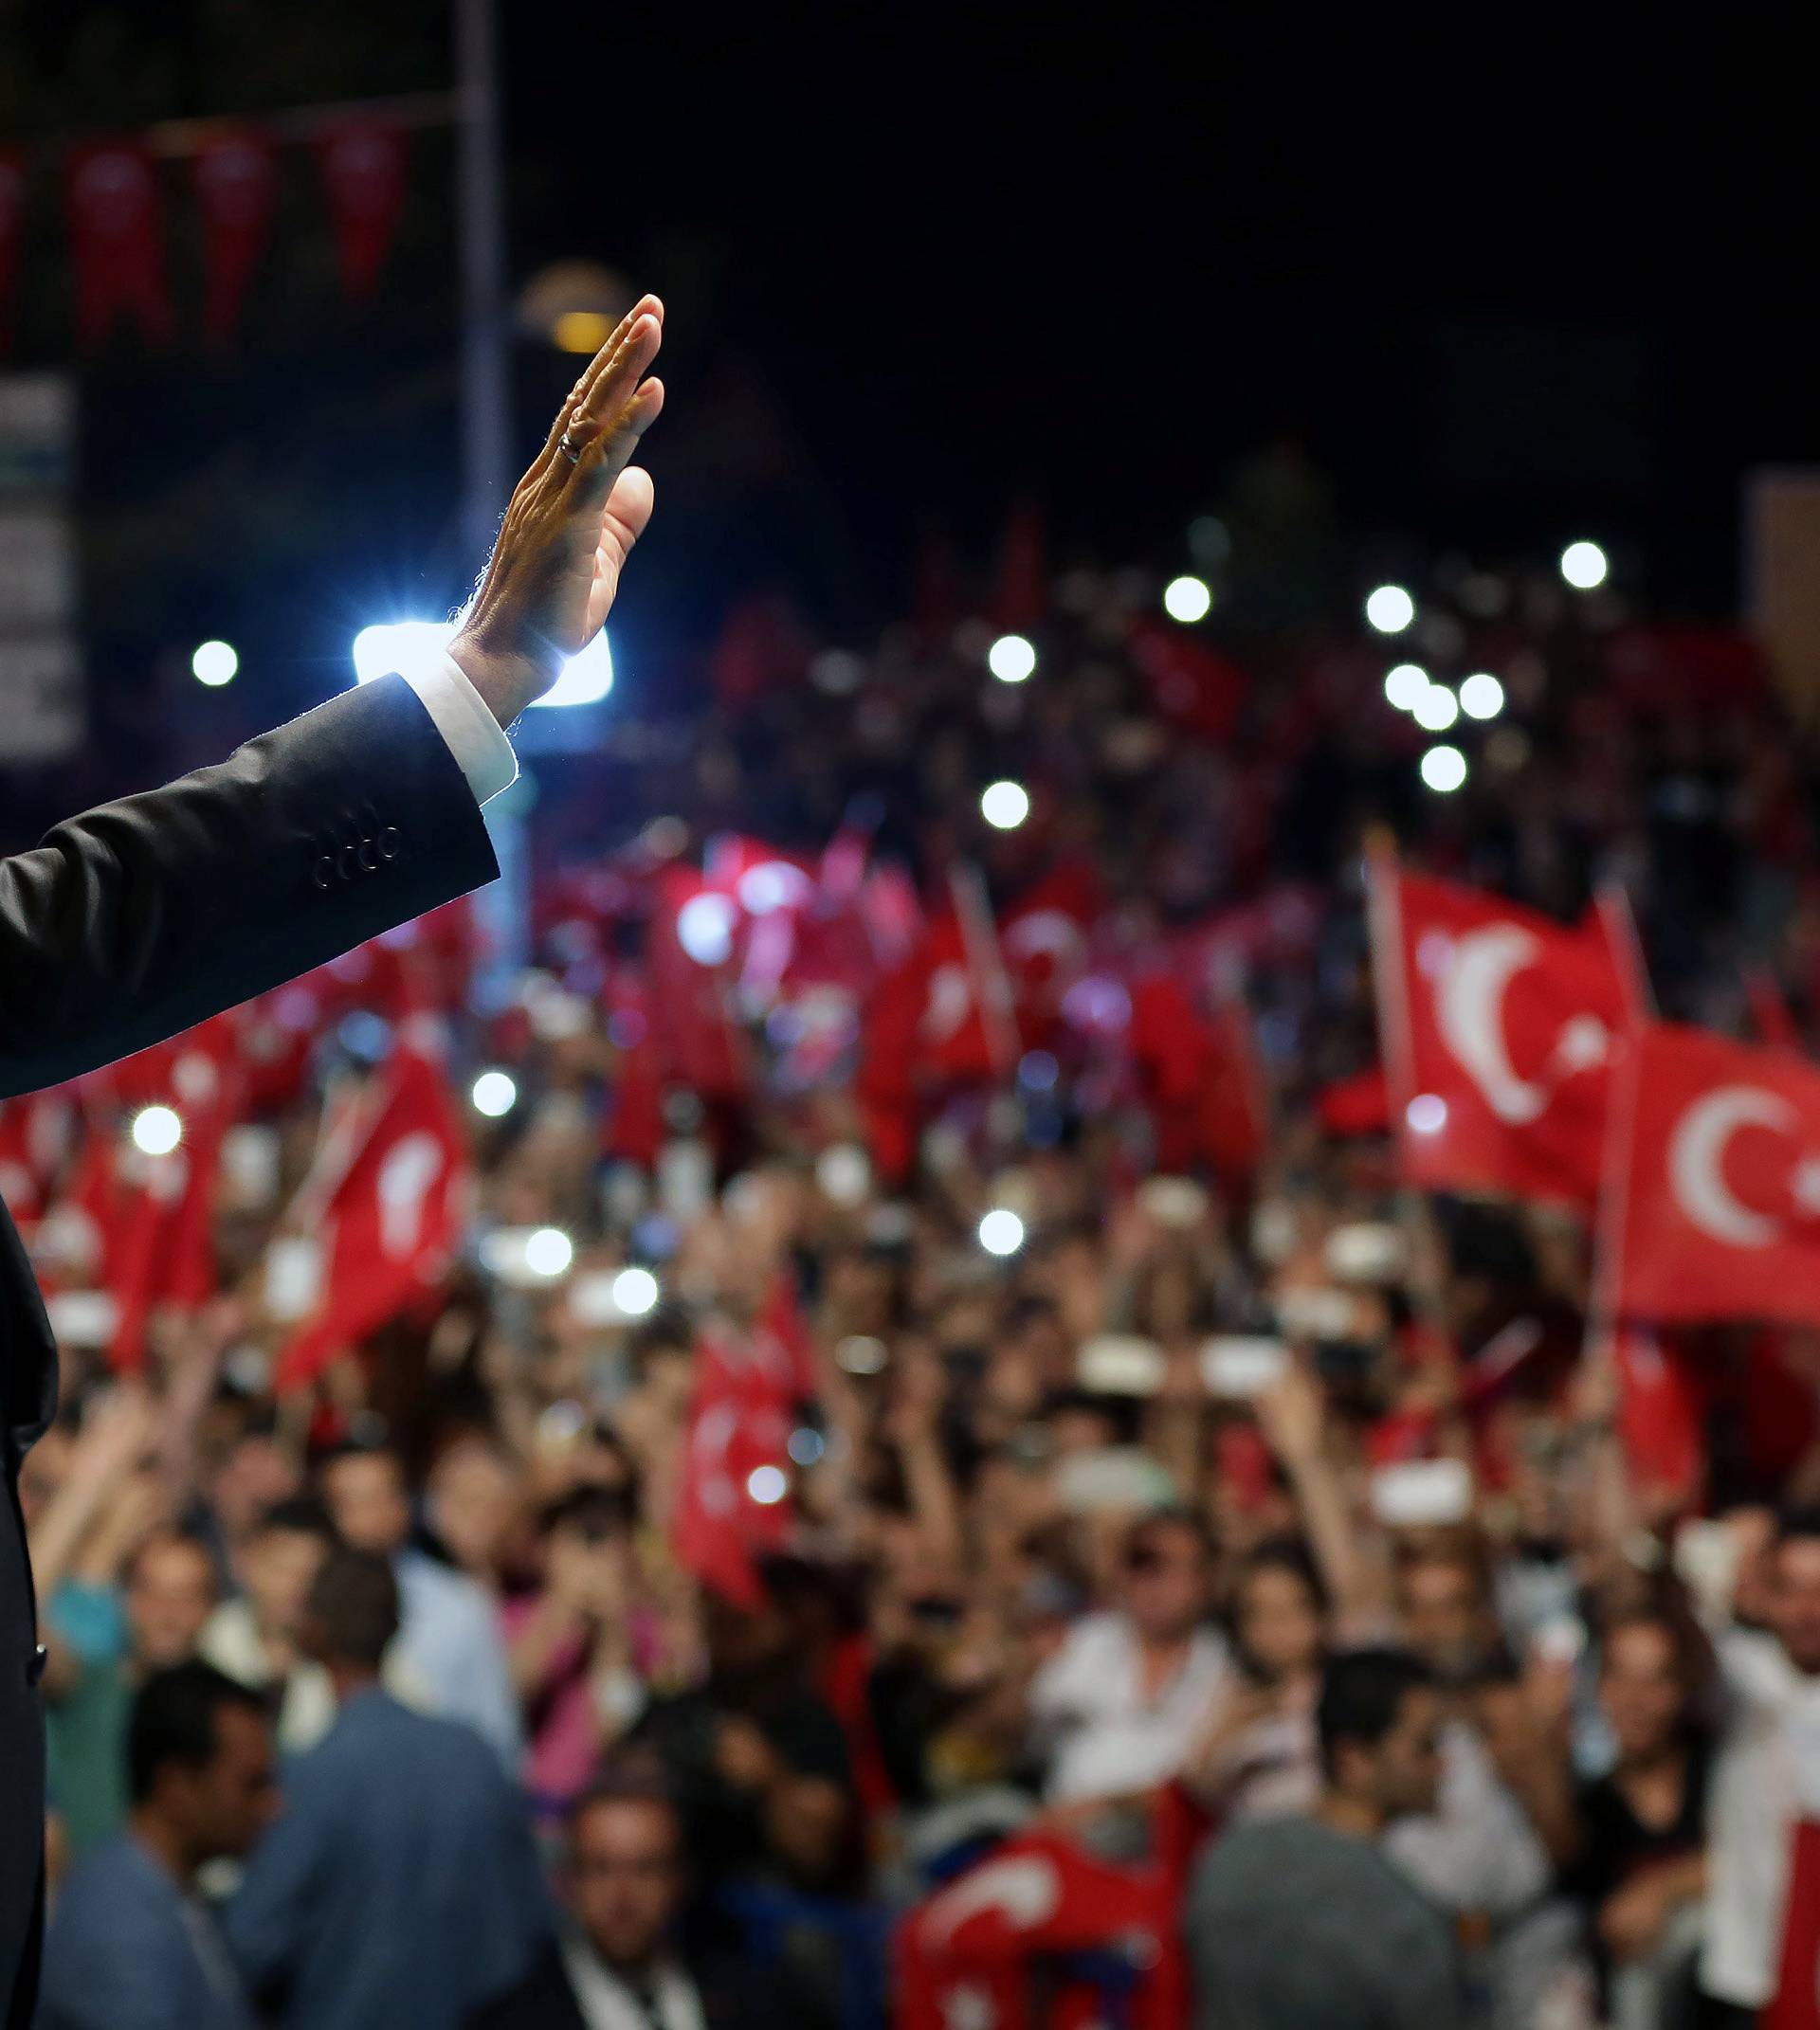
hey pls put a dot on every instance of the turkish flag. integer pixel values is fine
(746, 1392)
(391, 1196)
(12, 200)
(1660, 1413)
(158, 1241)
(1045, 936)
(236, 180)
(1500, 1026)
(691, 959)
(971, 1953)
(363, 170)
(1713, 1207)
(117, 242)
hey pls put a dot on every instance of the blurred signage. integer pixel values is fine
(43, 711)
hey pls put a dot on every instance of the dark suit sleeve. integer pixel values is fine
(144, 916)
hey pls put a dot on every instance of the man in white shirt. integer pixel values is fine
(1123, 1705)
(1764, 1808)
(451, 1647)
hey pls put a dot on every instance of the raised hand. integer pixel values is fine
(570, 527)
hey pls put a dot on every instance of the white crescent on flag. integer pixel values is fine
(1697, 1159)
(1026, 1886)
(1469, 1012)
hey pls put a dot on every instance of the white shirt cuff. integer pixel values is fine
(458, 714)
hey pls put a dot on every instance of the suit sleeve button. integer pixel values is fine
(35, 1664)
(324, 871)
(345, 862)
(389, 843)
(368, 855)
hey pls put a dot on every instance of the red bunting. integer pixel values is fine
(12, 205)
(112, 197)
(236, 177)
(363, 170)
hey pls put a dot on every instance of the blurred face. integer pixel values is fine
(222, 1808)
(1280, 1625)
(1442, 1617)
(1795, 1605)
(1406, 1765)
(255, 1473)
(278, 1569)
(170, 1595)
(366, 1495)
(1639, 1690)
(472, 1498)
(1166, 1582)
(626, 1879)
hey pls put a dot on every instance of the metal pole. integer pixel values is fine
(486, 435)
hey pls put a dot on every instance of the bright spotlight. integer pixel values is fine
(1390, 610)
(1444, 769)
(1482, 697)
(495, 1092)
(586, 678)
(1428, 1113)
(1584, 566)
(635, 1291)
(1011, 659)
(1436, 709)
(548, 1252)
(1005, 806)
(704, 928)
(157, 1130)
(581, 331)
(1405, 685)
(766, 1485)
(214, 663)
(1001, 1232)
(414, 647)
(1188, 600)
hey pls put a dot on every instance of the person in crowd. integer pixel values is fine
(621, 1960)
(401, 1884)
(1125, 1702)
(582, 1645)
(758, 1762)
(1762, 1948)
(1303, 1922)
(1638, 1862)
(449, 1640)
(132, 1945)
(110, 1636)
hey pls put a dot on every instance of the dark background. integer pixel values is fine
(1505, 282)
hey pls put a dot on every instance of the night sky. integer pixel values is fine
(1503, 284)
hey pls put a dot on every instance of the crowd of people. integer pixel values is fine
(1251, 1494)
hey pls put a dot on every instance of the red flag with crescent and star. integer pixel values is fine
(1500, 1028)
(1713, 1209)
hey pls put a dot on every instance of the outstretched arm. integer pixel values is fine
(147, 915)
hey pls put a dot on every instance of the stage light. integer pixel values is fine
(1436, 709)
(1011, 659)
(1584, 566)
(1444, 769)
(1405, 685)
(581, 331)
(586, 678)
(1390, 610)
(704, 928)
(635, 1291)
(1482, 697)
(215, 663)
(1005, 806)
(1428, 1113)
(548, 1252)
(1188, 600)
(495, 1092)
(1001, 1232)
(766, 1485)
(414, 647)
(157, 1130)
